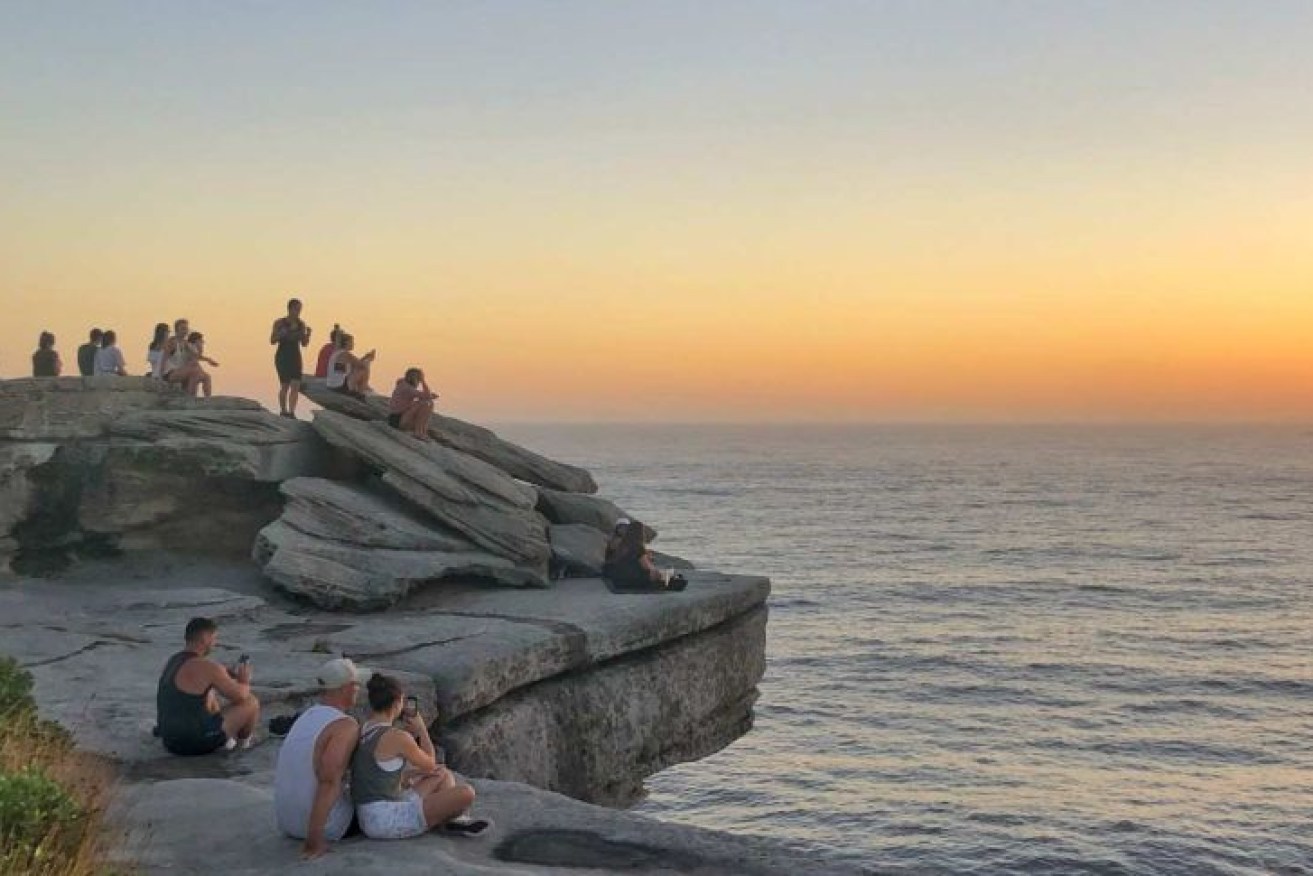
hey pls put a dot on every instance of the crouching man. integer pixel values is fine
(311, 801)
(189, 718)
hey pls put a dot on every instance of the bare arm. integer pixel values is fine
(418, 754)
(339, 741)
(277, 332)
(305, 335)
(234, 690)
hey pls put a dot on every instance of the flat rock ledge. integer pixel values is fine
(571, 689)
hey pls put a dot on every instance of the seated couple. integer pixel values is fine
(629, 567)
(398, 786)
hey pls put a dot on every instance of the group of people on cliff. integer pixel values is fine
(335, 776)
(178, 357)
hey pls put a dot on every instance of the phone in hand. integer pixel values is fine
(411, 709)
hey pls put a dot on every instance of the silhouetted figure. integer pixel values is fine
(290, 334)
(109, 358)
(45, 361)
(327, 350)
(155, 352)
(87, 353)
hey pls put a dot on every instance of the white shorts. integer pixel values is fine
(393, 819)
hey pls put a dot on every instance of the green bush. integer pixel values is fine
(38, 817)
(15, 689)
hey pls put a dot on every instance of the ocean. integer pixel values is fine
(1004, 649)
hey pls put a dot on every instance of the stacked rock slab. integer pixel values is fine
(514, 460)
(472, 504)
(127, 463)
(347, 547)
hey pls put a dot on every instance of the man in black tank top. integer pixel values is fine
(189, 718)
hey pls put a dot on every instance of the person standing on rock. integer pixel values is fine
(189, 719)
(290, 334)
(310, 797)
(46, 361)
(155, 351)
(87, 353)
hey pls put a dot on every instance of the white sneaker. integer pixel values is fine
(230, 745)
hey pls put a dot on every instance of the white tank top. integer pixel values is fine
(337, 378)
(295, 782)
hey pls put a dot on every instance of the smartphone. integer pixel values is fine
(412, 707)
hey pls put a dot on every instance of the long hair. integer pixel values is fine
(161, 335)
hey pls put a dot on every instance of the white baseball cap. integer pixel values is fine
(623, 521)
(340, 672)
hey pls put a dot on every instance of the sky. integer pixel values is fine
(683, 211)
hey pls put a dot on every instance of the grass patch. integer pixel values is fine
(52, 796)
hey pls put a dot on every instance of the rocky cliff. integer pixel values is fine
(440, 560)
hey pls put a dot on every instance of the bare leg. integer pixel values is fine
(293, 396)
(443, 806)
(282, 397)
(432, 783)
(204, 380)
(415, 419)
(358, 380)
(240, 719)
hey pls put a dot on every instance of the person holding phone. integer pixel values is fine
(347, 372)
(398, 785)
(189, 719)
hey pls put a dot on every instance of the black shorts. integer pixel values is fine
(209, 739)
(394, 420)
(288, 364)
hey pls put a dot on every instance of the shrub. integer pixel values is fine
(40, 822)
(15, 689)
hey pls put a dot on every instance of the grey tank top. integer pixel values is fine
(370, 783)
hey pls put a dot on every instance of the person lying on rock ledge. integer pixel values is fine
(629, 566)
(400, 788)
(411, 405)
(189, 719)
(310, 798)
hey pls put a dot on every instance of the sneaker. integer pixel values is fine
(463, 825)
(248, 743)
(230, 745)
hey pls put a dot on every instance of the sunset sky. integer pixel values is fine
(813, 210)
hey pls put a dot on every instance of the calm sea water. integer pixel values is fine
(1002, 650)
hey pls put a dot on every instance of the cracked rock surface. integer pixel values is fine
(571, 689)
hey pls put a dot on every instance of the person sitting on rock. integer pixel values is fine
(155, 351)
(348, 373)
(87, 353)
(189, 719)
(187, 371)
(613, 544)
(109, 358)
(326, 352)
(387, 805)
(631, 567)
(411, 405)
(311, 802)
(45, 361)
(174, 350)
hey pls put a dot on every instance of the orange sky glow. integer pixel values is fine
(635, 256)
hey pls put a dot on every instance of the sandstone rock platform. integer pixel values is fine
(573, 689)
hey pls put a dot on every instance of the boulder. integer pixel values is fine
(18, 494)
(481, 443)
(464, 494)
(343, 547)
(578, 548)
(600, 514)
